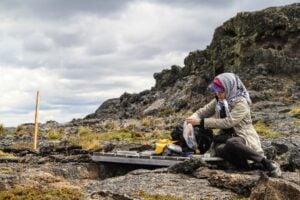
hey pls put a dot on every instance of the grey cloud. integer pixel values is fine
(144, 51)
(37, 43)
(193, 3)
(61, 10)
(65, 39)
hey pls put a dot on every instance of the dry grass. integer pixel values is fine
(2, 129)
(159, 134)
(295, 110)
(20, 128)
(21, 145)
(146, 121)
(264, 129)
(31, 193)
(53, 134)
(110, 125)
(90, 140)
(3, 154)
(166, 112)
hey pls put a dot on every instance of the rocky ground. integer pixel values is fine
(68, 168)
(266, 57)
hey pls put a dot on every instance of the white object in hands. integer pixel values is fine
(189, 136)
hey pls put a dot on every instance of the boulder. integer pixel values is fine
(275, 189)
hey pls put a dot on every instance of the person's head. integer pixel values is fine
(218, 88)
(229, 86)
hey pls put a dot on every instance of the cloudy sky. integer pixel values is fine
(78, 53)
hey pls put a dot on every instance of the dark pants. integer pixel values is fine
(237, 153)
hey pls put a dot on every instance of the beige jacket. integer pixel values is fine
(239, 119)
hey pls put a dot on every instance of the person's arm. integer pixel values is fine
(237, 114)
(207, 111)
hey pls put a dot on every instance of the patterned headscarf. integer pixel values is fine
(234, 87)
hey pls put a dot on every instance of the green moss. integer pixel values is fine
(263, 129)
(147, 196)
(54, 134)
(29, 193)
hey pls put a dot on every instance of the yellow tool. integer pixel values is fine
(160, 145)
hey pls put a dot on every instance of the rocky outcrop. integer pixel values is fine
(261, 47)
(157, 183)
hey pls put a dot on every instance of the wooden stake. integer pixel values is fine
(36, 120)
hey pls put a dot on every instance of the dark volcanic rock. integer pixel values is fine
(241, 183)
(188, 166)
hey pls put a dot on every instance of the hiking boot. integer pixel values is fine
(274, 169)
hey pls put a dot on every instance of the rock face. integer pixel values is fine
(261, 47)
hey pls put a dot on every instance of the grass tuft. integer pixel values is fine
(3, 154)
(20, 128)
(2, 129)
(53, 134)
(295, 111)
(264, 129)
(21, 145)
(90, 140)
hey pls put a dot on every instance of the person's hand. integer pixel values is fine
(193, 120)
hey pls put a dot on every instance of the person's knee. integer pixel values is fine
(233, 143)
